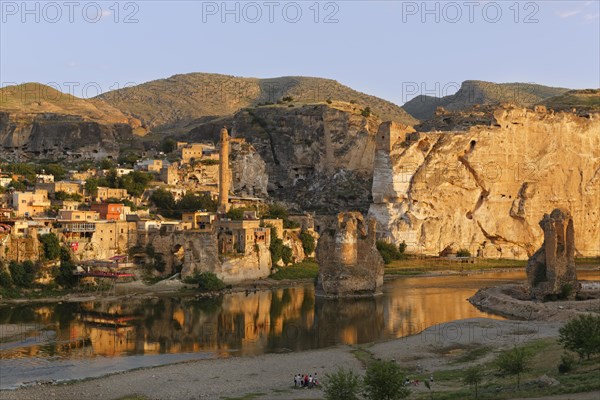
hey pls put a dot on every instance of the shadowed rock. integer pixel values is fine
(349, 262)
(551, 270)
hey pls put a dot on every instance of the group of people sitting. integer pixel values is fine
(305, 381)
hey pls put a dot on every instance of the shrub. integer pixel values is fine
(286, 255)
(463, 253)
(341, 385)
(581, 335)
(308, 242)
(23, 274)
(5, 280)
(287, 99)
(566, 291)
(402, 247)
(473, 377)
(51, 246)
(384, 381)
(513, 362)
(366, 112)
(566, 363)
(235, 214)
(206, 281)
(64, 274)
(329, 101)
(388, 251)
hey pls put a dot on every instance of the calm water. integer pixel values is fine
(72, 341)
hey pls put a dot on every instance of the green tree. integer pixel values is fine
(388, 251)
(17, 185)
(473, 377)
(277, 211)
(206, 281)
(91, 186)
(384, 381)
(366, 112)
(402, 247)
(135, 182)
(163, 200)
(51, 246)
(5, 279)
(463, 253)
(581, 335)
(286, 255)
(168, 145)
(308, 242)
(58, 171)
(63, 275)
(341, 385)
(513, 362)
(23, 274)
(235, 214)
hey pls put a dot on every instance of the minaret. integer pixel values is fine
(224, 172)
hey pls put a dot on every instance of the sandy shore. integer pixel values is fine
(272, 374)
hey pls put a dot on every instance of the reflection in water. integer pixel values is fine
(59, 336)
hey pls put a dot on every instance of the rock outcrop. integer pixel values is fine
(551, 270)
(484, 188)
(248, 171)
(349, 262)
(198, 251)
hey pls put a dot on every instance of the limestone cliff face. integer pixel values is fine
(196, 251)
(55, 135)
(248, 171)
(485, 189)
(317, 156)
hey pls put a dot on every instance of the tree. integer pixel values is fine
(402, 247)
(235, 214)
(463, 253)
(64, 274)
(581, 335)
(23, 274)
(388, 251)
(56, 170)
(5, 279)
(163, 200)
(384, 381)
(286, 255)
(341, 385)
(513, 362)
(473, 377)
(168, 145)
(366, 112)
(51, 246)
(91, 186)
(206, 281)
(308, 242)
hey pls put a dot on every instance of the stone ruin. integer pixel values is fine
(349, 263)
(551, 270)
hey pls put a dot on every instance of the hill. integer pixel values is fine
(35, 98)
(172, 104)
(582, 100)
(485, 93)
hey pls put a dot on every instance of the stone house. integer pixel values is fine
(240, 236)
(30, 203)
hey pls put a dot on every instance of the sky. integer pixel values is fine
(391, 49)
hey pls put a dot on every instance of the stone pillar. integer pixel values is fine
(345, 240)
(224, 172)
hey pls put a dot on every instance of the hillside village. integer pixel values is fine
(127, 221)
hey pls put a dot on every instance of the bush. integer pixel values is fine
(473, 377)
(341, 385)
(51, 246)
(23, 274)
(308, 242)
(566, 363)
(463, 253)
(64, 274)
(5, 280)
(384, 381)
(366, 112)
(513, 362)
(206, 281)
(402, 247)
(581, 335)
(388, 251)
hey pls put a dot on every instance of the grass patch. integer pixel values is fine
(364, 356)
(303, 270)
(412, 265)
(472, 355)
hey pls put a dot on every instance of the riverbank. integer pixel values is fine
(443, 351)
(299, 274)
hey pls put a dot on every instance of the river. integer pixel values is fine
(80, 340)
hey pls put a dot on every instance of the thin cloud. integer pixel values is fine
(567, 13)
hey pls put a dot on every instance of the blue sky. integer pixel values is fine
(391, 49)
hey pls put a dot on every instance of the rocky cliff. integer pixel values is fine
(486, 188)
(39, 121)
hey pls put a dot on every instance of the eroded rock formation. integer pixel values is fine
(484, 188)
(349, 262)
(199, 251)
(551, 270)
